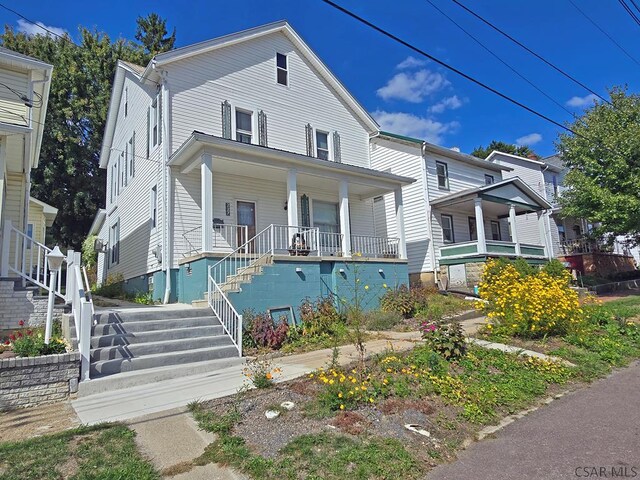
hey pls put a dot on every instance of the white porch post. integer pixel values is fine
(514, 230)
(543, 233)
(292, 198)
(482, 240)
(206, 186)
(402, 245)
(345, 224)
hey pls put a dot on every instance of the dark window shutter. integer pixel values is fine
(310, 149)
(262, 128)
(304, 207)
(133, 154)
(148, 130)
(226, 119)
(337, 154)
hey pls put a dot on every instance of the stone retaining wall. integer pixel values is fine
(22, 304)
(31, 381)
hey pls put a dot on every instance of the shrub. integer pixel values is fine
(379, 320)
(89, 253)
(555, 269)
(113, 286)
(446, 339)
(263, 331)
(319, 317)
(398, 300)
(531, 305)
(30, 343)
(423, 294)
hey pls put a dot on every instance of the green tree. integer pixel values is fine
(522, 150)
(68, 176)
(152, 34)
(604, 165)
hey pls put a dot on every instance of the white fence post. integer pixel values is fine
(6, 247)
(239, 335)
(84, 339)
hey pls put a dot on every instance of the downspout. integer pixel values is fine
(425, 191)
(166, 182)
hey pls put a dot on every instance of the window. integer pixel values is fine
(325, 217)
(126, 101)
(114, 180)
(122, 171)
(488, 179)
(447, 229)
(243, 126)
(125, 165)
(442, 171)
(282, 72)
(115, 243)
(322, 145)
(155, 114)
(473, 231)
(132, 154)
(154, 206)
(496, 234)
(29, 233)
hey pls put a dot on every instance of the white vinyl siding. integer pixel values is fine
(12, 109)
(243, 75)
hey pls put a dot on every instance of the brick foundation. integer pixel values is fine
(31, 381)
(21, 304)
(600, 264)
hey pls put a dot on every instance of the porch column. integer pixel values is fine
(292, 198)
(345, 224)
(206, 186)
(543, 233)
(402, 245)
(514, 230)
(482, 241)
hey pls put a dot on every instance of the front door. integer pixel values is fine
(246, 216)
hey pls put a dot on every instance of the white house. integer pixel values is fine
(460, 211)
(242, 157)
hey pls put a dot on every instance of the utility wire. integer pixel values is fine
(633, 2)
(34, 23)
(538, 56)
(631, 13)
(510, 67)
(603, 32)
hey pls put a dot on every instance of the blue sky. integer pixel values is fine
(404, 92)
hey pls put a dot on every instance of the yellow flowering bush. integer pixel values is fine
(528, 305)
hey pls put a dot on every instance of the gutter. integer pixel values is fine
(425, 179)
(167, 256)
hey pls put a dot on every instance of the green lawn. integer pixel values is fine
(105, 452)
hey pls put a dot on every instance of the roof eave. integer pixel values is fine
(463, 157)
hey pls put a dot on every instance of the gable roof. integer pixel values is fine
(281, 26)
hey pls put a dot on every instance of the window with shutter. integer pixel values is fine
(337, 153)
(262, 128)
(226, 119)
(309, 134)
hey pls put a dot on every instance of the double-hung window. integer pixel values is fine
(115, 243)
(447, 228)
(155, 116)
(322, 145)
(473, 229)
(442, 171)
(154, 206)
(496, 234)
(282, 70)
(243, 126)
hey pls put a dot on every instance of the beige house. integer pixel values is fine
(24, 92)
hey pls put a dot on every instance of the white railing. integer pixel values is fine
(331, 243)
(377, 247)
(592, 245)
(294, 240)
(230, 319)
(82, 310)
(225, 237)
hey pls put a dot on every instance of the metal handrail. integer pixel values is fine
(373, 246)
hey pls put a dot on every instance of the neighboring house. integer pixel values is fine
(24, 93)
(41, 217)
(459, 211)
(570, 237)
(244, 153)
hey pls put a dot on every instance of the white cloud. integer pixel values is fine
(446, 103)
(411, 62)
(414, 126)
(413, 87)
(530, 139)
(38, 29)
(582, 101)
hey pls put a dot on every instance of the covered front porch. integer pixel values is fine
(235, 197)
(493, 221)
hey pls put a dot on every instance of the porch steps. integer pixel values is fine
(143, 340)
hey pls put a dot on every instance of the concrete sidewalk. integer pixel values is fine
(146, 399)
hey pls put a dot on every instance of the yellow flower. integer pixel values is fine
(366, 287)
(339, 394)
(384, 285)
(341, 407)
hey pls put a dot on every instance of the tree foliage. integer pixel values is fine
(522, 150)
(68, 176)
(152, 34)
(604, 165)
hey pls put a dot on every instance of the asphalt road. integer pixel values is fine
(591, 433)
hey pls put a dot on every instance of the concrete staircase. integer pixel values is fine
(144, 345)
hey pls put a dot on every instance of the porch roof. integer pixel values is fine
(509, 191)
(187, 157)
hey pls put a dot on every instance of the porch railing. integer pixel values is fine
(294, 240)
(378, 247)
(79, 297)
(331, 243)
(592, 245)
(225, 237)
(229, 317)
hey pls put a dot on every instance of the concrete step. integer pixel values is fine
(137, 350)
(154, 336)
(200, 303)
(109, 367)
(158, 313)
(150, 325)
(110, 383)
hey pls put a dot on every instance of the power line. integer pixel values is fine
(631, 13)
(35, 23)
(538, 56)
(603, 32)
(510, 67)
(633, 2)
